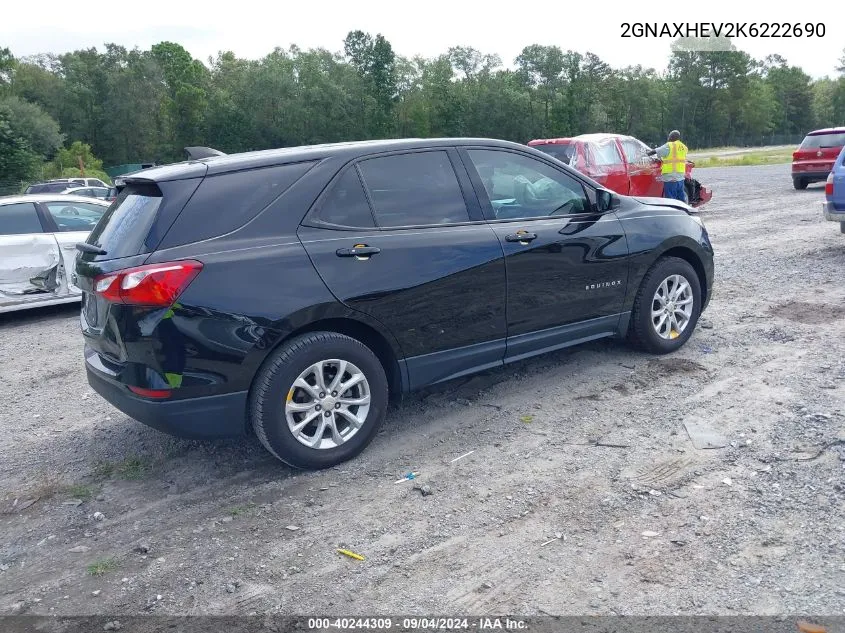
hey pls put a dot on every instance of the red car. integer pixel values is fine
(620, 163)
(814, 158)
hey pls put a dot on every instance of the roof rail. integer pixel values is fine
(198, 151)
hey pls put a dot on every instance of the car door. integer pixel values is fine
(643, 171)
(29, 257)
(398, 238)
(566, 262)
(70, 222)
(608, 166)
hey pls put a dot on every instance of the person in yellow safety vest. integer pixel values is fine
(674, 168)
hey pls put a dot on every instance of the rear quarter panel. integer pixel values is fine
(257, 286)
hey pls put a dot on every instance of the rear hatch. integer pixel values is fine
(128, 232)
(818, 151)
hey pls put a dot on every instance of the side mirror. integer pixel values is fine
(606, 200)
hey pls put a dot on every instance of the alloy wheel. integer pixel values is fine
(327, 404)
(671, 307)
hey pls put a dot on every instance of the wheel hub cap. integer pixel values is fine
(327, 404)
(672, 307)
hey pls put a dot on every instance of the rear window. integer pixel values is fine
(563, 153)
(124, 227)
(823, 140)
(47, 187)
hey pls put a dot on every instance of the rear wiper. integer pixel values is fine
(90, 248)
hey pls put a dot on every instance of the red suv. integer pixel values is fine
(620, 163)
(814, 158)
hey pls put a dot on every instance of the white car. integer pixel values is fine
(38, 237)
(101, 193)
(59, 184)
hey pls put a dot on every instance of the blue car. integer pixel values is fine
(834, 191)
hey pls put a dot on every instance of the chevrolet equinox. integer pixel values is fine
(293, 291)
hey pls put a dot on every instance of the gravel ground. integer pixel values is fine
(583, 493)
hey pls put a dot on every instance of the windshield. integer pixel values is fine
(564, 153)
(823, 140)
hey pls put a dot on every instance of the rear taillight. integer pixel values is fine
(155, 285)
(795, 155)
(828, 185)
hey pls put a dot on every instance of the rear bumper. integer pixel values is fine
(832, 213)
(811, 176)
(199, 418)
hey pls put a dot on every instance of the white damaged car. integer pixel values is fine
(38, 237)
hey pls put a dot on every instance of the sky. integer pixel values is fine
(252, 29)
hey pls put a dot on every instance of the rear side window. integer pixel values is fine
(823, 140)
(414, 189)
(225, 202)
(605, 154)
(124, 227)
(346, 203)
(564, 153)
(19, 219)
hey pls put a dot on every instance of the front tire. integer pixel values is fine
(799, 183)
(319, 400)
(666, 308)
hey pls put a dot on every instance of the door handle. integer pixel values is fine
(359, 250)
(522, 238)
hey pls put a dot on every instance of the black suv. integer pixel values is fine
(293, 290)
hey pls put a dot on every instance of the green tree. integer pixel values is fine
(18, 162)
(29, 122)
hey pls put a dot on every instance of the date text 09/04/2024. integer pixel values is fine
(723, 29)
(418, 623)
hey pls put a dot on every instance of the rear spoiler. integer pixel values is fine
(197, 152)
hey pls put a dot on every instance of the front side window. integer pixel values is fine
(635, 152)
(19, 219)
(519, 186)
(414, 189)
(75, 216)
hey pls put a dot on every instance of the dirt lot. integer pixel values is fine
(585, 448)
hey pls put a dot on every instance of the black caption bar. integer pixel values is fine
(408, 624)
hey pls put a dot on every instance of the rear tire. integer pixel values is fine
(308, 430)
(799, 183)
(842, 227)
(652, 328)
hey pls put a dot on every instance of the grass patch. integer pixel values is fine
(774, 156)
(239, 510)
(130, 468)
(102, 566)
(78, 491)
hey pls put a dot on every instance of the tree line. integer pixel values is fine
(137, 105)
